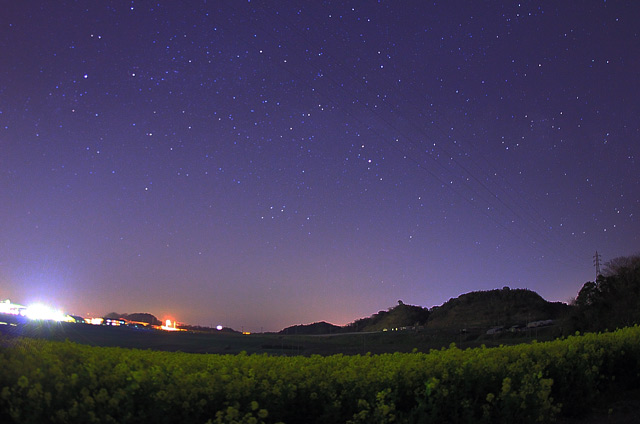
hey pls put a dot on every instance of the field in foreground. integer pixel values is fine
(44, 381)
(273, 344)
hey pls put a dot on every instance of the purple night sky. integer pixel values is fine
(264, 164)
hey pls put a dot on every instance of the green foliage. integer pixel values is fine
(61, 382)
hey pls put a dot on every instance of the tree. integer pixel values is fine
(588, 294)
(613, 300)
(620, 265)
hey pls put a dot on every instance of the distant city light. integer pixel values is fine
(43, 312)
(170, 326)
(219, 328)
(6, 307)
(40, 312)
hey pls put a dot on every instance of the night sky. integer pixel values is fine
(263, 164)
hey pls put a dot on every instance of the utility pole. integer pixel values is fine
(596, 263)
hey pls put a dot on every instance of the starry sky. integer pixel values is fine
(262, 164)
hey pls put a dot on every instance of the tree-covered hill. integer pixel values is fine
(505, 307)
(315, 328)
(480, 309)
(399, 316)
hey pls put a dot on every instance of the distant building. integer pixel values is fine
(542, 323)
(77, 319)
(495, 330)
(6, 307)
(114, 322)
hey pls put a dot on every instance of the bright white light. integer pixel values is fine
(42, 312)
(219, 328)
(6, 307)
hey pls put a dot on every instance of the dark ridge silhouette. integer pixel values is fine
(401, 316)
(311, 329)
(505, 307)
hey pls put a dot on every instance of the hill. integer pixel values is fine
(504, 307)
(315, 328)
(400, 316)
(480, 309)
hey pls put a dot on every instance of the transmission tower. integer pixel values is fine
(596, 263)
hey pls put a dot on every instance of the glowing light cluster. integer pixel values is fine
(170, 326)
(6, 307)
(40, 312)
(43, 312)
